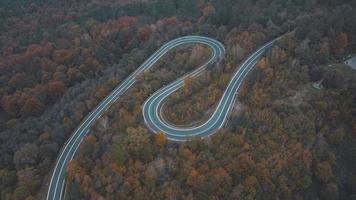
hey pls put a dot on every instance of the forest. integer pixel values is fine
(284, 139)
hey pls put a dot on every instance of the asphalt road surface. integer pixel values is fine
(152, 116)
(151, 108)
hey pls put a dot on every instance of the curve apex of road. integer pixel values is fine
(152, 117)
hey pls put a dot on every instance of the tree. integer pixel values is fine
(250, 183)
(336, 136)
(262, 64)
(45, 136)
(100, 93)
(189, 83)
(160, 139)
(170, 21)
(195, 57)
(208, 10)
(329, 191)
(28, 178)
(47, 65)
(64, 56)
(91, 139)
(351, 184)
(72, 169)
(215, 183)
(144, 33)
(323, 171)
(26, 156)
(136, 143)
(19, 80)
(342, 40)
(11, 105)
(151, 174)
(33, 107)
(21, 193)
(324, 52)
(56, 89)
(191, 177)
(7, 178)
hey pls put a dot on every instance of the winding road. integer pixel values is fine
(151, 114)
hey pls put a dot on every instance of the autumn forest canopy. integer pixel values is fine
(291, 133)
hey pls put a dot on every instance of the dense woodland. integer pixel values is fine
(284, 139)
